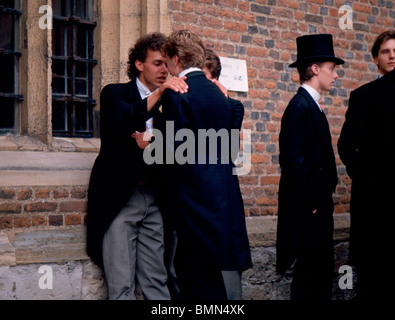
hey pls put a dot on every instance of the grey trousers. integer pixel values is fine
(232, 281)
(133, 248)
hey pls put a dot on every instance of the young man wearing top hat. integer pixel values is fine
(308, 175)
(363, 146)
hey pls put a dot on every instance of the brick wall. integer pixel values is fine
(263, 33)
(38, 207)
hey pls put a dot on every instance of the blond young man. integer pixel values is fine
(205, 201)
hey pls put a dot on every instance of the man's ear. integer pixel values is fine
(376, 61)
(139, 65)
(177, 60)
(315, 68)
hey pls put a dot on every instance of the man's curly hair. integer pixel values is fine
(153, 41)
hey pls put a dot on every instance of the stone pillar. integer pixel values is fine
(109, 41)
(35, 62)
(155, 17)
(121, 24)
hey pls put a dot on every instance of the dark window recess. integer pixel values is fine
(10, 96)
(72, 64)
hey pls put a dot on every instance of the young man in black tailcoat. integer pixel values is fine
(308, 175)
(366, 148)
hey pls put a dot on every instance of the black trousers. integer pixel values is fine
(314, 266)
(313, 275)
(198, 278)
(375, 274)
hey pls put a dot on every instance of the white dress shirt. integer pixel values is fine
(314, 94)
(186, 71)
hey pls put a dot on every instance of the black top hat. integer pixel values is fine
(315, 48)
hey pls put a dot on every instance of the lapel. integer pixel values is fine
(133, 91)
(319, 118)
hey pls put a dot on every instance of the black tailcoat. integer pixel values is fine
(367, 148)
(308, 179)
(205, 199)
(119, 166)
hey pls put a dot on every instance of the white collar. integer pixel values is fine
(184, 72)
(143, 89)
(314, 93)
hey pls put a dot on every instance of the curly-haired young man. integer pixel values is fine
(124, 223)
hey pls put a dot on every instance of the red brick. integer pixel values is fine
(227, 3)
(234, 37)
(200, 9)
(55, 221)
(258, 158)
(209, 33)
(5, 223)
(256, 52)
(235, 26)
(41, 207)
(78, 194)
(39, 221)
(187, 7)
(25, 194)
(254, 212)
(362, 8)
(283, 13)
(185, 17)
(266, 180)
(7, 194)
(227, 14)
(249, 18)
(211, 22)
(244, 5)
(22, 222)
(10, 208)
(227, 48)
(73, 206)
(61, 193)
(72, 220)
(265, 201)
(42, 194)
(248, 180)
(174, 5)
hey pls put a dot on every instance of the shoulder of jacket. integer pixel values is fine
(365, 88)
(118, 89)
(299, 101)
(118, 86)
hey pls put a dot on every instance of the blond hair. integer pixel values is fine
(187, 46)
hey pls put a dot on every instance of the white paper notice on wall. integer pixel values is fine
(234, 74)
